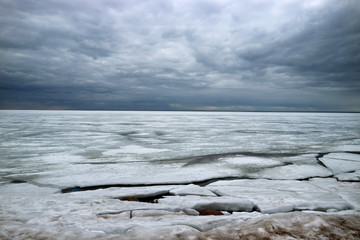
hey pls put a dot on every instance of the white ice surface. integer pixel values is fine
(100, 211)
(135, 149)
(345, 148)
(133, 173)
(349, 191)
(353, 176)
(342, 162)
(249, 162)
(294, 171)
(217, 203)
(344, 156)
(192, 189)
(58, 149)
(273, 196)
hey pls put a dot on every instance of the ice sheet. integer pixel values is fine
(293, 171)
(272, 196)
(217, 203)
(192, 190)
(342, 162)
(135, 149)
(352, 176)
(43, 152)
(250, 162)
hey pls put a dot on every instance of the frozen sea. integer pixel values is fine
(67, 171)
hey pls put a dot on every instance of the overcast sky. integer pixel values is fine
(249, 55)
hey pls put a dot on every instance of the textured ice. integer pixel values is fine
(133, 173)
(217, 203)
(352, 176)
(250, 162)
(185, 161)
(349, 191)
(344, 156)
(192, 189)
(135, 149)
(346, 148)
(272, 196)
(342, 162)
(294, 171)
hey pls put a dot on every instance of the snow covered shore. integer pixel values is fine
(295, 225)
(314, 209)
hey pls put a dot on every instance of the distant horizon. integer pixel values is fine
(129, 110)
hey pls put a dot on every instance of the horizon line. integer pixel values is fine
(179, 110)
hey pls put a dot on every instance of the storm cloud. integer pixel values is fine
(180, 55)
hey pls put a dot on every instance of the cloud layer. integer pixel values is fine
(180, 55)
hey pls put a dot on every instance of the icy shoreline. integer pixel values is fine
(252, 209)
(155, 175)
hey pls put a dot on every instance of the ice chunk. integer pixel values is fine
(346, 148)
(251, 162)
(216, 203)
(344, 156)
(272, 196)
(342, 162)
(118, 192)
(349, 191)
(154, 213)
(353, 176)
(162, 232)
(353, 198)
(340, 166)
(293, 171)
(321, 202)
(192, 189)
(244, 185)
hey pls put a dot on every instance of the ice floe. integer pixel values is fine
(351, 176)
(342, 162)
(134, 149)
(250, 162)
(293, 171)
(224, 203)
(271, 196)
(192, 189)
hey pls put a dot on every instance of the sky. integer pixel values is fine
(221, 55)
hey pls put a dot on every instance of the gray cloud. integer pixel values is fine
(212, 55)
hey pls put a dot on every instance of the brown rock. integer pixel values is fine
(129, 198)
(210, 212)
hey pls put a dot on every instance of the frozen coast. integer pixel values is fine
(173, 175)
